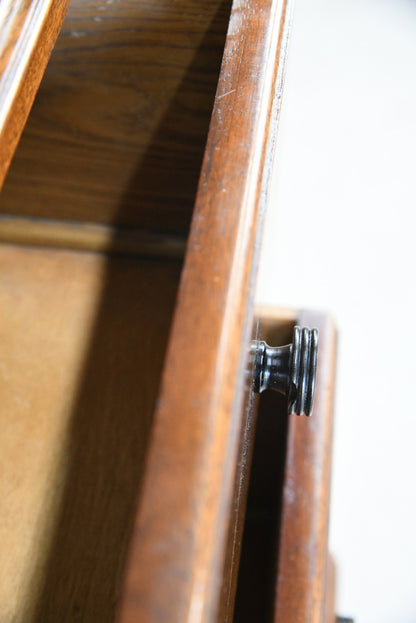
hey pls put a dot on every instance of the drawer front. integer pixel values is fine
(182, 526)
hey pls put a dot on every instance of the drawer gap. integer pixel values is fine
(256, 584)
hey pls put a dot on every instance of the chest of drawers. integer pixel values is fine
(142, 479)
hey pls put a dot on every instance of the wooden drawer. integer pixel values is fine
(130, 231)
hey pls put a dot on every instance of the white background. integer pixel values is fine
(342, 226)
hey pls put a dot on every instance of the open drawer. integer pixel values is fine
(130, 231)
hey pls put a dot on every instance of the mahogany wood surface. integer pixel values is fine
(28, 30)
(177, 553)
(118, 129)
(82, 344)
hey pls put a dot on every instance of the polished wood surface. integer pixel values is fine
(119, 126)
(177, 553)
(28, 30)
(82, 344)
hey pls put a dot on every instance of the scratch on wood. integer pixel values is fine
(224, 94)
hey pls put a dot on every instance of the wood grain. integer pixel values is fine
(82, 344)
(118, 130)
(28, 30)
(177, 553)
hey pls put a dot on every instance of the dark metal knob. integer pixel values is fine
(290, 370)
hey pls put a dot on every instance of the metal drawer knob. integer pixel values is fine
(290, 370)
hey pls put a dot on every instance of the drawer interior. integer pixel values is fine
(83, 340)
(118, 128)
